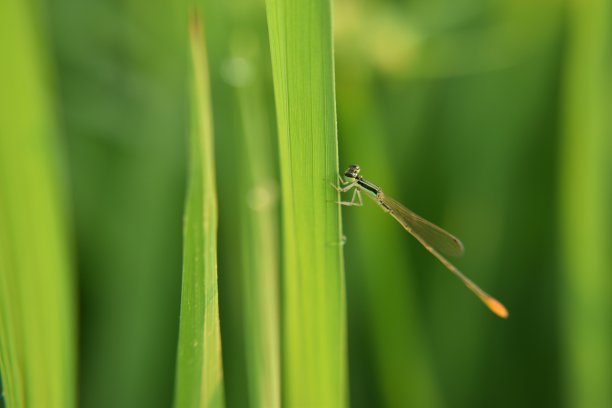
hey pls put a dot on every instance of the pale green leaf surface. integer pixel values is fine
(37, 316)
(199, 380)
(314, 310)
(586, 199)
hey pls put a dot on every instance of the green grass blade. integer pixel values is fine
(37, 317)
(199, 381)
(402, 365)
(260, 240)
(122, 87)
(314, 327)
(586, 199)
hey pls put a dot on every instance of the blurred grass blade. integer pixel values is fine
(260, 243)
(37, 318)
(402, 367)
(314, 311)
(586, 199)
(199, 380)
(122, 86)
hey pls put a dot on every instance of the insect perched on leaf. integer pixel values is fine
(433, 238)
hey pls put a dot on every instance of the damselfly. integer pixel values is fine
(433, 238)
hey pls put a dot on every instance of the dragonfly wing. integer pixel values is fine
(439, 239)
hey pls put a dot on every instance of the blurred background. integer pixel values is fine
(489, 118)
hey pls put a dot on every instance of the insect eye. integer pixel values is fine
(352, 171)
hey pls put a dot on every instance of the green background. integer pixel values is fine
(489, 118)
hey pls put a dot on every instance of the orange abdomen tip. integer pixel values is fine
(496, 307)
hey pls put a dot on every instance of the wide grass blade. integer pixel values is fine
(314, 311)
(37, 316)
(586, 199)
(199, 380)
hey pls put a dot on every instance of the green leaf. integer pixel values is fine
(199, 380)
(586, 199)
(314, 310)
(37, 316)
(259, 232)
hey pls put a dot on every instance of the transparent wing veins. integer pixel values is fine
(437, 241)
(441, 240)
